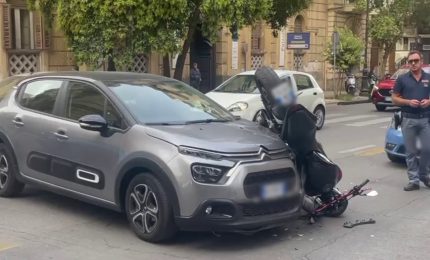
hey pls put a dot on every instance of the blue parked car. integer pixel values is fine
(394, 145)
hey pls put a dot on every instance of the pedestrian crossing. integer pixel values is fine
(378, 120)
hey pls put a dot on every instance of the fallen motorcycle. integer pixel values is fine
(296, 127)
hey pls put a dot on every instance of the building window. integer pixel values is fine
(22, 29)
(256, 41)
(405, 44)
(298, 24)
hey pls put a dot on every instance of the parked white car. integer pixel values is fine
(240, 95)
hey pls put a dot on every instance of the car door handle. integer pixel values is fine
(61, 134)
(18, 121)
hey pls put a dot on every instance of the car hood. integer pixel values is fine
(240, 136)
(386, 84)
(228, 99)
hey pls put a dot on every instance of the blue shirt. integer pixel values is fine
(409, 88)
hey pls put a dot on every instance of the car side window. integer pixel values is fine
(41, 95)
(84, 99)
(303, 82)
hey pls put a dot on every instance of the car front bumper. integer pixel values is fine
(233, 205)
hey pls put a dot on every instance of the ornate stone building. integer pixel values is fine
(28, 47)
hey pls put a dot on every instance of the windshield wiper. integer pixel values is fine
(206, 121)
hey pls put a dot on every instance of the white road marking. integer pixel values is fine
(348, 118)
(371, 122)
(358, 148)
(334, 115)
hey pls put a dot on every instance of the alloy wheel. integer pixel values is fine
(4, 169)
(143, 208)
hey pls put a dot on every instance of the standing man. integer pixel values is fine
(412, 93)
(195, 77)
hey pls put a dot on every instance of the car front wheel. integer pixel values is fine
(148, 210)
(380, 107)
(319, 112)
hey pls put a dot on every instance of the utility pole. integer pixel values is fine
(365, 78)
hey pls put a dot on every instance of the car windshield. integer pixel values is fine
(402, 71)
(244, 84)
(167, 102)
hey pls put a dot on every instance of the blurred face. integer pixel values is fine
(415, 62)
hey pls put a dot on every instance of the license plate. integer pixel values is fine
(273, 190)
(387, 98)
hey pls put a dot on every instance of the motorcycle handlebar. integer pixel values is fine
(364, 183)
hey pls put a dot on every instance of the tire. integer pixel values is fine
(148, 210)
(351, 90)
(339, 210)
(319, 112)
(380, 107)
(9, 185)
(395, 159)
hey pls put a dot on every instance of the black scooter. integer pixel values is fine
(296, 127)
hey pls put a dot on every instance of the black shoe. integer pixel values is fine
(411, 186)
(425, 180)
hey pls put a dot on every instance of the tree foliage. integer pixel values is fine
(386, 28)
(349, 53)
(119, 29)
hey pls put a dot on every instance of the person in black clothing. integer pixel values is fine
(195, 77)
(412, 93)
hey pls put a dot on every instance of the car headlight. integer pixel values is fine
(238, 107)
(199, 153)
(207, 173)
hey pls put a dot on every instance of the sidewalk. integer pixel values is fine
(329, 99)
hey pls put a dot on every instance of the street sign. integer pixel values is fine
(298, 40)
(336, 42)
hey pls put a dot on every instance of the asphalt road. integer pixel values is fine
(41, 225)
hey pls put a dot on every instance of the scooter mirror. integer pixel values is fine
(372, 193)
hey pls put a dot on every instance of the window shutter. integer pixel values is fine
(38, 31)
(7, 27)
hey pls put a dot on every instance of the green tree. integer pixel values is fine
(420, 15)
(119, 29)
(386, 28)
(348, 55)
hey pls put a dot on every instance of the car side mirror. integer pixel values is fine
(93, 123)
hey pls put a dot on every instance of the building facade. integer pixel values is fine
(27, 46)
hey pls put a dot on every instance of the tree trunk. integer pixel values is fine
(166, 65)
(192, 25)
(387, 52)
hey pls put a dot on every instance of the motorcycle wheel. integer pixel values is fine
(338, 209)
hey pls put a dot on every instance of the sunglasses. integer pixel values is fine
(414, 61)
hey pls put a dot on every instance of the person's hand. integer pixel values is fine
(414, 103)
(425, 103)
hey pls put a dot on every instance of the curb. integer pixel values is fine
(342, 103)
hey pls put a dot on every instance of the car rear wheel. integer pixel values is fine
(319, 112)
(380, 107)
(148, 209)
(9, 185)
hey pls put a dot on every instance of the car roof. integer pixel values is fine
(103, 76)
(279, 72)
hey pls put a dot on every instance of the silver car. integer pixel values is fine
(152, 147)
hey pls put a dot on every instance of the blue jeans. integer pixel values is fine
(412, 130)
